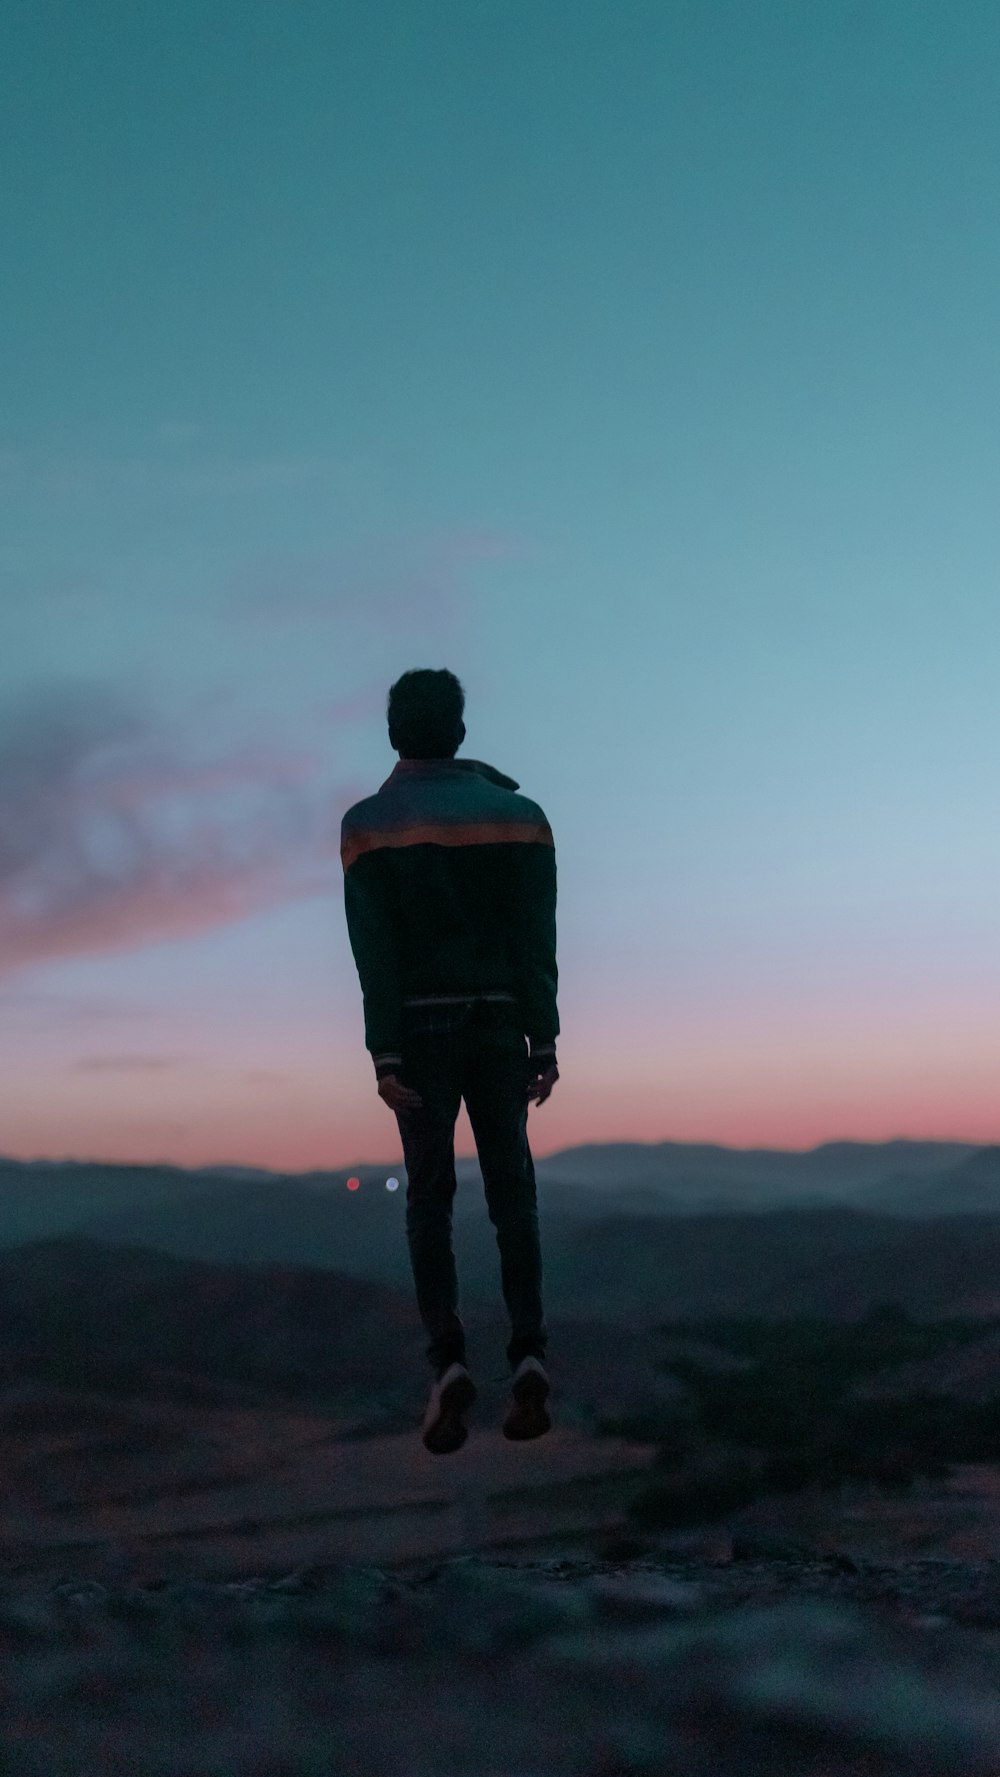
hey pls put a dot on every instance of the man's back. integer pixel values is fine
(450, 894)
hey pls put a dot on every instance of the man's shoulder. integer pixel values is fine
(359, 812)
(485, 794)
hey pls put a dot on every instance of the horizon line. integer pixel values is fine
(357, 1165)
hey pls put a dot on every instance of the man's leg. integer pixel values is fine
(494, 1082)
(428, 1137)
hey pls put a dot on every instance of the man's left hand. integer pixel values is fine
(397, 1096)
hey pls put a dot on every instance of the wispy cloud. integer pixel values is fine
(386, 581)
(165, 473)
(367, 704)
(54, 1010)
(134, 1064)
(112, 836)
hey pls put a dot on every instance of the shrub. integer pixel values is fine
(695, 1497)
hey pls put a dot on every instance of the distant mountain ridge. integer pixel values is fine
(142, 1278)
(241, 1213)
(604, 1162)
(629, 1231)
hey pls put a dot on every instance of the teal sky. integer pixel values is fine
(639, 363)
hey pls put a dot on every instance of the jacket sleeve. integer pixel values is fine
(374, 929)
(532, 938)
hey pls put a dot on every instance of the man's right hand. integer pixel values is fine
(539, 1089)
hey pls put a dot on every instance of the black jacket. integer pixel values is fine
(450, 895)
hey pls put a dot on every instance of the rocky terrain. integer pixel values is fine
(224, 1550)
(767, 1659)
(196, 1590)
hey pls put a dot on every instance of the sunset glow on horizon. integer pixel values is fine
(640, 366)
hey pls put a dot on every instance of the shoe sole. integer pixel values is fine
(446, 1432)
(529, 1416)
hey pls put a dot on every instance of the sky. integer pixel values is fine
(639, 363)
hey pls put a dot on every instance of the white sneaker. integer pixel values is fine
(528, 1415)
(451, 1396)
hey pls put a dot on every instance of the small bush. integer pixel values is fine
(792, 1399)
(695, 1498)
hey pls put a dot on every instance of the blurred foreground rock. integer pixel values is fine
(823, 1667)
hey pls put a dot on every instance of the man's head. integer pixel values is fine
(424, 711)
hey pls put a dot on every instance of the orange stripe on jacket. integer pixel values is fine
(445, 833)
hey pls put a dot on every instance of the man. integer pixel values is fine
(450, 896)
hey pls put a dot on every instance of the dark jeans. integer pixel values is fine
(477, 1052)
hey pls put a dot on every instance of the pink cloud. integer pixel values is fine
(126, 787)
(112, 839)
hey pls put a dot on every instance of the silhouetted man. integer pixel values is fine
(450, 895)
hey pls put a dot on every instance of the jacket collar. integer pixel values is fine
(406, 769)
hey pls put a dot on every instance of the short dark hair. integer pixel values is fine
(424, 711)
